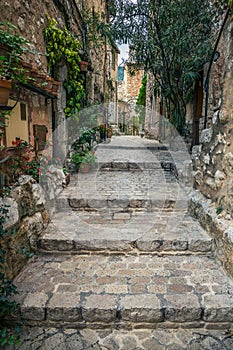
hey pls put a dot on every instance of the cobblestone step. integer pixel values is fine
(73, 339)
(125, 292)
(95, 204)
(124, 232)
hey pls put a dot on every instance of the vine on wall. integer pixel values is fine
(63, 46)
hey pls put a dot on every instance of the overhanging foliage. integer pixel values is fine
(172, 39)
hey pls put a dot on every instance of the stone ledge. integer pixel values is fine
(220, 230)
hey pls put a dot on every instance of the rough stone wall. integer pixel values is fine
(128, 90)
(29, 205)
(213, 158)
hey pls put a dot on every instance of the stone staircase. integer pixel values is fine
(122, 264)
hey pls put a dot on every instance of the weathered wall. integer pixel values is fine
(28, 205)
(30, 18)
(213, 163)
(128, 91)
(213, 158)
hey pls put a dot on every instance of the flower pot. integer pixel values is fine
(109, 134)
(67, 179)
(83, 66)
(103, 136)
(5, 87)
(85, 168)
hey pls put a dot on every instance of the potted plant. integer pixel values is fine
(103, 132)
(83, 160)
(87, 162)
(67, 175)
(11, 70)
(109, 131)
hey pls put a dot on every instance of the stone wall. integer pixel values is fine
(30, 18)
(213, 158)
(29, 207)
(128, 91)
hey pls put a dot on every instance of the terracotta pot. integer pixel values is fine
(109, 134)
(85, 168)
(83, 66)
(67, 179)
(5, 87)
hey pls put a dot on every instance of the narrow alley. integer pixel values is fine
(123, 265)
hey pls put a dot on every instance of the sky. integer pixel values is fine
(124, 49)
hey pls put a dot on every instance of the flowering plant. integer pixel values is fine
(103, 128)
(28, 162)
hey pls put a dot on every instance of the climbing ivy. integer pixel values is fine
(63, 46)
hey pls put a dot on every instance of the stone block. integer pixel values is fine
(228, 233)
(33, 307)
(182, 308)
(206, 135)
(97, 203)
(120, 165)
(77, 203)
(196, 151)
(146, 245)
(12, 211)
(118, 203)
(200, 245)
(175, 245)
(64, 307)
(99, 308)
(141, 308)
(121, 216)
(137, 203)
(218, 308)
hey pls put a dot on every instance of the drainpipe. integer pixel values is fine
(207, 81)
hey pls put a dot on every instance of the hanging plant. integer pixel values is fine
(62, 45)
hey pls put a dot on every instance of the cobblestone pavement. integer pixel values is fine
(72, 339)
(123, 265)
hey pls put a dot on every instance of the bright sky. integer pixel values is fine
(124, 49)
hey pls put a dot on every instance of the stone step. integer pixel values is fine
(100, 204)
(158, 232)
(105, 190)
(149, 339)
(125, 292)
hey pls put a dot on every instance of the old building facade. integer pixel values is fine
(128, 91)
(39, 111)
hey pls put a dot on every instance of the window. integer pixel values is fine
(23, 112)
(113, 59)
